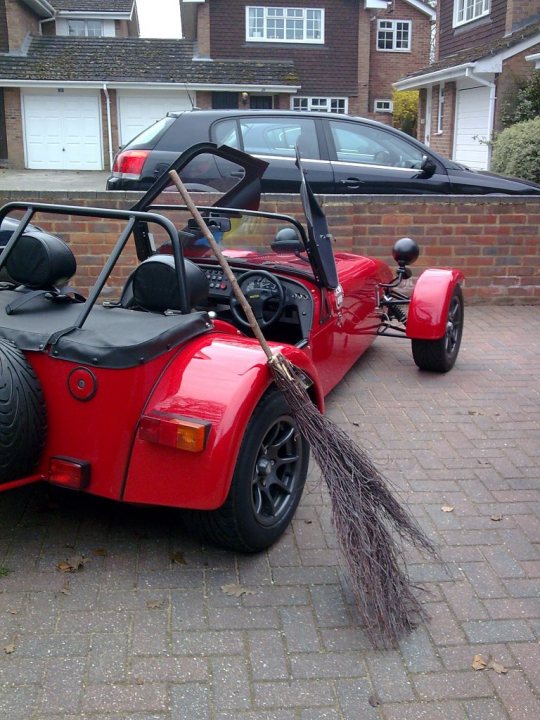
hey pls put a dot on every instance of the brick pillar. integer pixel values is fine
(364, 40)
(519, 10)
(203, 30)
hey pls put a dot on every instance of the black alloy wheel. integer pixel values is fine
(440, 355)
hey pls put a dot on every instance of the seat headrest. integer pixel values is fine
(41, 261)
(155, 284)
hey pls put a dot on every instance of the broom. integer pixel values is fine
(364, 511)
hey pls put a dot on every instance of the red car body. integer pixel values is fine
(109, 422)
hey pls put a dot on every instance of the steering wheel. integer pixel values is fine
(259, 287)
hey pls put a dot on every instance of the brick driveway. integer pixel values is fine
(144, 630)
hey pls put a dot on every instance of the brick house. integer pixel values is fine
(346, 53)
(483, 47)
(77, 81)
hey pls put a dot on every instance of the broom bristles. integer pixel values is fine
(364, 514)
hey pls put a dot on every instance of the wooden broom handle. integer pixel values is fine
(246, 307)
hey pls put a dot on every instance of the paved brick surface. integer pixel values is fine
(134, 636)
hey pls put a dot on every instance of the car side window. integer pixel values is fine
(279, 136)
(225, 132)
(358, 143)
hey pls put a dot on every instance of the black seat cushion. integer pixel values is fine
(155, 284)
(41, 261)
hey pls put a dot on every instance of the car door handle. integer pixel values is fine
(352, 182)
(237, 174)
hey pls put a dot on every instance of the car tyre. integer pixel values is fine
(440, 355)
(267, 484)
(23, 421)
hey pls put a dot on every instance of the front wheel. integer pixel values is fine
(440, 355)
(267, 483)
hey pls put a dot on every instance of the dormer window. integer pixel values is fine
(468, 10)
(284, 24)
(85, 28)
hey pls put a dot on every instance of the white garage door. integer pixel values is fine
(472, 127)
(62, 130)
(138, 110)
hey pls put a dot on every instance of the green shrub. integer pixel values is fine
(523, 103)
(405, 110)
(516, 151)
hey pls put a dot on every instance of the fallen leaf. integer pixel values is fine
(479, 662)
(497, 666)
(447, 508)
(178, 558)
(100, 552)
(308, 522)
(10, 647)
(236, 590)
(496, 518)
(65, 588)
(73, 564)
(154, 604)
(374, 700)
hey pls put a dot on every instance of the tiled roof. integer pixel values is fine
(67, 59)
(112, 6)
(471, 55)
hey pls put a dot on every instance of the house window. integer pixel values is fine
(284, 24)
(383, 106)
(85, 28)
(467, 10)
(394, 35)
(440, 110)
(324, 104)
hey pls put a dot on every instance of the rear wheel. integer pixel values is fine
(267, 484)
(440, 355)
(23, 422)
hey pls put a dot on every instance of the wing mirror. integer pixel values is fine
(287, 241)
(427, 168)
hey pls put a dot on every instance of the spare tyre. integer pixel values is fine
(23, 419)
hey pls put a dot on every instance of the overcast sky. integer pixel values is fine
(159, 18)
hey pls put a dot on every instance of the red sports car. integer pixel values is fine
(161, 395)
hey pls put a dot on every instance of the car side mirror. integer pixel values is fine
(287, 241)
(427, 168)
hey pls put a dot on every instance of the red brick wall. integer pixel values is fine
(494, 241)
(443, 142)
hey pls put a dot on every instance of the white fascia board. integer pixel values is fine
(41, 8)
(434, 78)
(521, 47)
(91, 15)
(90, 84)
(376, 4)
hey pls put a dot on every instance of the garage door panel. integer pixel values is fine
(62, 131)
(137, 111)
(472, 127)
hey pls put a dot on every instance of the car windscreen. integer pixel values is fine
(147, 139)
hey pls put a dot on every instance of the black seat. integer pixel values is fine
(41, 264)
(153, 286)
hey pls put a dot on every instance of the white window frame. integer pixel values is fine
(466, 11)
(383, 106)
(86, 24)
(302, 14)
(392, 26)
(440, 110)
(334, 105)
